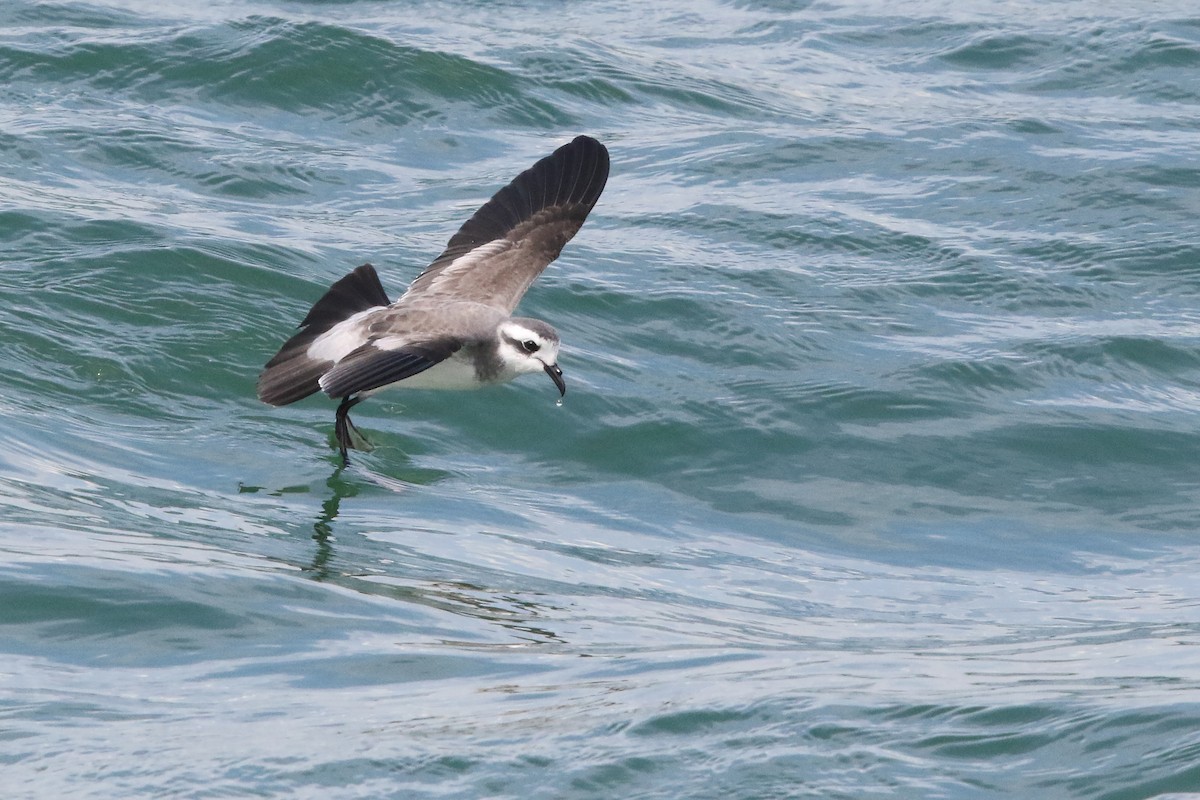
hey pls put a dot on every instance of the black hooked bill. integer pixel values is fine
(555, 373)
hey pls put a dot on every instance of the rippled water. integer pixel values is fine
(877, 473)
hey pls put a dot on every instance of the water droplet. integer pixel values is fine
(558, 403)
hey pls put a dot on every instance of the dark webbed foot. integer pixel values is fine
(343, 428)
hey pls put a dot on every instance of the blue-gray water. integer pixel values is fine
(877, 475)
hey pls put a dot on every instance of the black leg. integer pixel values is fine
(342, 427)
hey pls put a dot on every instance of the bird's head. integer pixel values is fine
(530, 345)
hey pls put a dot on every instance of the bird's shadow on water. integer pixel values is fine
(507, 609)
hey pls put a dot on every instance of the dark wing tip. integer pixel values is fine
(593, 169)
(573, 176)
(290, 380)
(356, 291)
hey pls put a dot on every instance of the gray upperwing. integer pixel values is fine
(499, 251)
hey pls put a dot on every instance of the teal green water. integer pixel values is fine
(877, 475)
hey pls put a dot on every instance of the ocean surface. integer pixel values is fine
(879, 470)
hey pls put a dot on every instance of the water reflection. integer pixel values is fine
(509, 610)
(323, 527)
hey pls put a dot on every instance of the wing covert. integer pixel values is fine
(371, 367)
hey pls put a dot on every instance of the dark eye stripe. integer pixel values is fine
(524, 345)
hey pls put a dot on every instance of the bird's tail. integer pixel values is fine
(292, 375)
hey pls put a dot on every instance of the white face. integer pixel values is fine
(524, 350)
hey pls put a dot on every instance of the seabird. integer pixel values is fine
(453, 328)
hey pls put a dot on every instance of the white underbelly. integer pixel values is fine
(454, 373)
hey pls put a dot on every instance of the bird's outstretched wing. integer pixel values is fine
(292, 374)
(500, 250)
